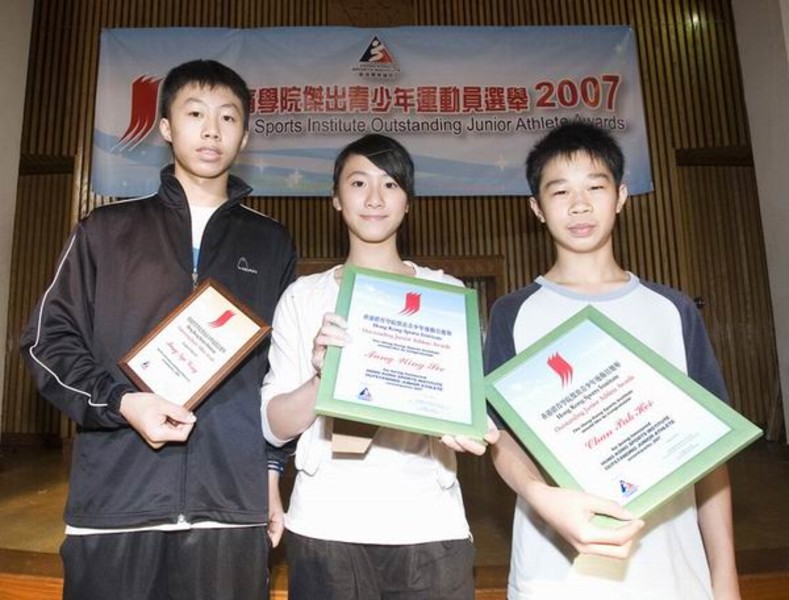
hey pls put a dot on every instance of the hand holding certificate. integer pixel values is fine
(414, 361)
(187, 355)
(603, 413)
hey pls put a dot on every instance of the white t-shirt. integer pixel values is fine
(403, 491)
(668, 561)
(200, 216)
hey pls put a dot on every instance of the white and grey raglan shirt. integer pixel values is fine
(669, 560)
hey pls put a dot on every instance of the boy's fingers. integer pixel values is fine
(627, 532)
(469, 445)
(597, 538)
(608, 550)
(275, 530)
(450, 442)
(177, 413)
(170, 431)
(603, 506)
(492, 436)
(461, 443)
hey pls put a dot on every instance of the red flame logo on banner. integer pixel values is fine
(144, 93)
(413, 302)
(223, 318)
(562, 368)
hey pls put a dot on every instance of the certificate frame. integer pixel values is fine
(248, 331)
(330, 400)
(741, 432)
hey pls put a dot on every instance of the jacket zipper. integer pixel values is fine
(181, 516)
(181, 519)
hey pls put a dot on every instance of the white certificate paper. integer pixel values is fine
(617, 424)
(602, 412)
(414, 361)
(188, 354)
(401, 356)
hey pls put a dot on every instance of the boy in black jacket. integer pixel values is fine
(164, 503)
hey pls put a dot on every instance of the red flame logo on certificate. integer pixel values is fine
(561, 367)
(222, 319)
(413, 302)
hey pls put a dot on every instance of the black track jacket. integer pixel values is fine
(124, 268)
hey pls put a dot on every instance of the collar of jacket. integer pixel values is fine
(172, 193)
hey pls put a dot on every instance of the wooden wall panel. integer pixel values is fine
(729, 273)
(43, 219)
(693, 104)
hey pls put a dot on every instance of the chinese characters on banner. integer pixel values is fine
(468, 102)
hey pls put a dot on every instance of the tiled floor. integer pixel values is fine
(33, 486)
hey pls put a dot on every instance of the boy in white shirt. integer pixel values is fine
(684, 550)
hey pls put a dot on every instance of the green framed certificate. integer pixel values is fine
(414, 361)
(603, 413)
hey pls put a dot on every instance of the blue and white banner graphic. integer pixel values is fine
(467, 102)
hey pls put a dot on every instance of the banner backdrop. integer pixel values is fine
(467, 102)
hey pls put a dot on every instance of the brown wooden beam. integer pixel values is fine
(30, 164)
(723, 156)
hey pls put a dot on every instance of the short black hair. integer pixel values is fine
(387, 154)
(204, 73)
(568, 139)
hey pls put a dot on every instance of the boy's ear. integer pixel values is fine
(164, 129)
(335, 202)
(244, 141)
(622, 198)
(535, 208)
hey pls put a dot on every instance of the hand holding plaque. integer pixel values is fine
(414, 361)
(196, 346)
(603, 413)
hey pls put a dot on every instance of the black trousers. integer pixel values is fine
(198, 564)
(326, 570)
